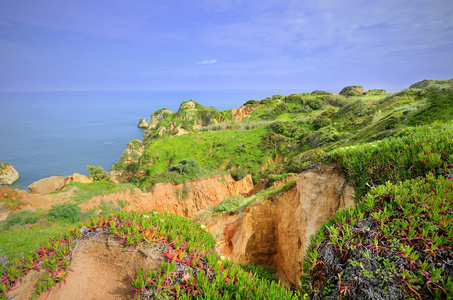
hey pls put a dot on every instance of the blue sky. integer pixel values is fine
(211, 44)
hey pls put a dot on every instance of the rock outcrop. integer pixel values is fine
(142, 123)
(55, 183)
(244, 111)
(8, 175)
(48, 185)
(275, 231)
(184, 199)
(352, 90)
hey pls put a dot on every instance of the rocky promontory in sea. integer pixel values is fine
(8, 175)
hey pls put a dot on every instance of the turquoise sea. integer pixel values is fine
(44, 134)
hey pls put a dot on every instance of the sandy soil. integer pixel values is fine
(102, 269)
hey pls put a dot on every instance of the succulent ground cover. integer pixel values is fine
(397, 242)
(191, 268)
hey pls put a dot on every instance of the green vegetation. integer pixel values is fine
(396, 243)
(98, 174)
(395, 149)
(185, 246)
(65, 212)
(398, 239)
(9, 198)
(3, 165)
(82, 192)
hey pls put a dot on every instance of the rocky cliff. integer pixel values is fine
(275, 231)
(184, 199)
(244, 111)
(8, 174)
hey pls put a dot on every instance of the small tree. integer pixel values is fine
(98, 173)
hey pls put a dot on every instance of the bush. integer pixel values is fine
(315, 103)
(65, 212)
(187, 167)
(98, 174)
(238, 174)
(316, 92)
(252, 102)
(266, 101)
(320, 122)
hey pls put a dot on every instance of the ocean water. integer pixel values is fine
(46, 134)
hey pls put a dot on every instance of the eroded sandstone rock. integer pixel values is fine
(275, 231)
(55, 183)
(183, 199)
(244, 111)
(142, 123)
(8, 175)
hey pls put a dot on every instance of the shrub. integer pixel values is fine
(315, 103)
(188, 167)
(252, 102)
(321, 121)
(266, 101)
(316, 92)
(238, 174)
(98, 174)
(65, 212)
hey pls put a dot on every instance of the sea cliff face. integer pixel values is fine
(183, 199)
(275, 231)
(8, 175)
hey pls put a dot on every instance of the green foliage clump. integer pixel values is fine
(238, 174)
(98, 173)
(321, 121)
(377, 92)
(395, 243)
(252, 102)
(65, 212)
(188, 167)
(316, 92)
(22, 217)
(230, 203)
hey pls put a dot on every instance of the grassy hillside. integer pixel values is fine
(398, 240)
(281, 133)
(395, 149)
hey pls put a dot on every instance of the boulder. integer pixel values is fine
(8, 174)
(78, 178)
(48, 185)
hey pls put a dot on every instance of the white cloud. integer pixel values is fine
(207, 62)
